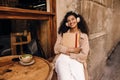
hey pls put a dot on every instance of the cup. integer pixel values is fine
(26, 58)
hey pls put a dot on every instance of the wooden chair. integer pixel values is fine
(20, 43)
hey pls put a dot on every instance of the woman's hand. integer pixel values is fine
(74, 50)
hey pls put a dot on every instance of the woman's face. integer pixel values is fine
(72, 21)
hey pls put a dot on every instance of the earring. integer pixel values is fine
(78, 19)
(66, 24)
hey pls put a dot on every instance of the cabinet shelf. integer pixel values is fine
(17, 13)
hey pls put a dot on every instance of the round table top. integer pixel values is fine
(10, 70)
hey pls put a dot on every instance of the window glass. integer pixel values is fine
(41, 5)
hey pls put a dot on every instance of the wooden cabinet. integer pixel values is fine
(46, 31)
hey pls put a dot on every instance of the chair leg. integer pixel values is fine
(54, 77)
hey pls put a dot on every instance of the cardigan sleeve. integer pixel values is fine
(59, 48)
(82, 56)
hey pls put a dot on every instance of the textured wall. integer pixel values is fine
(98, 15)
(63, 6)
(103, 18)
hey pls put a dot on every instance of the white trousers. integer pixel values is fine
(69, 69)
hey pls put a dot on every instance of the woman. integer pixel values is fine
(69, 65)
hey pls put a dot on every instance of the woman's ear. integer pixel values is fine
(78, 19)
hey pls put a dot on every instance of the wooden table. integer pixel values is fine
(10, 70)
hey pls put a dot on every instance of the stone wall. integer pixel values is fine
(103, 18)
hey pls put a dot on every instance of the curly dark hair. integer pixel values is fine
(81, 25)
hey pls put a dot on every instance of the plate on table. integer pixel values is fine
(29, 63)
